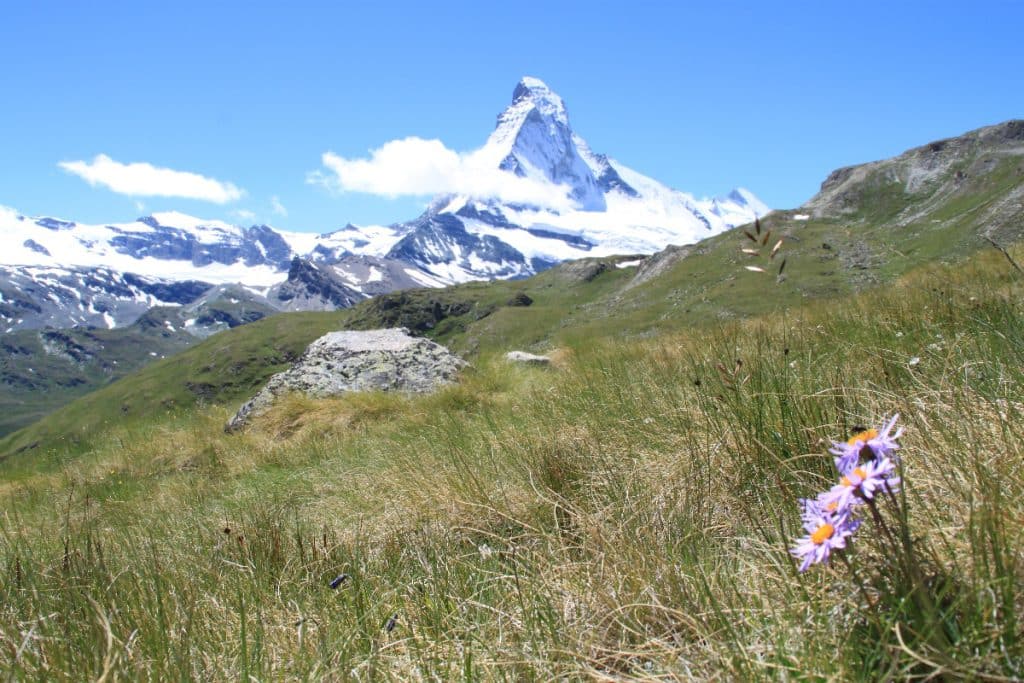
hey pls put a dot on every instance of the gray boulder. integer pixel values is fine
(372, 360)
(526, 358)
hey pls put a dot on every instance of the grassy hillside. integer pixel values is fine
(824, 259)
(627, 514)
(41, 370)
(228, 368)
(869, 225)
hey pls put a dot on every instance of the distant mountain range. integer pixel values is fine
(58, 273)
(870, 224)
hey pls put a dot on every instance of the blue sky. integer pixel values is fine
(247, 97)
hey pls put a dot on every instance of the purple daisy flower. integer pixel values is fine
(860, 484)
(878, 444)
(826, 532)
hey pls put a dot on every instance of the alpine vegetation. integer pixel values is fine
(866, 467)
(626, 511)
(903, 589)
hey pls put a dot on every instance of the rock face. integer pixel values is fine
(657, 264)
(312, 288)
(373, 360)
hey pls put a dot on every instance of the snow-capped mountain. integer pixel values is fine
(61, 273)
(614, 209)
(533, 140)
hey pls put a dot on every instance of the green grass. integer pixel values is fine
(41, 370)
(887, 233)
(626, 514)
(230, 367)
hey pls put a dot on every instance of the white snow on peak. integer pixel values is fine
(176, 219)
(368, 240)
(54, 243)
(533, 140)
(546, 101)
(617, 211)
(654, 218)
(530, 95)
(743, 196)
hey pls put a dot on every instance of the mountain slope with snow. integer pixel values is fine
(611, 208)
(61, 273)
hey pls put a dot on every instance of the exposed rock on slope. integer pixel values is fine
(526, 358)
(373, 360)
(311, 288)
(655, 265)
(927, 178)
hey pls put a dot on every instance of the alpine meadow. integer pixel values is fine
(790, 450)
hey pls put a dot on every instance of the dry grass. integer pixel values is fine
(625, 514)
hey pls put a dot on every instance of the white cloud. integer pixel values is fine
(277, 207)
(244, 214)
(140, 206)
(140, 179)
(417, 167)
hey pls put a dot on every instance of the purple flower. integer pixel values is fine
(866, 445)
(826, 532)
(860, 484)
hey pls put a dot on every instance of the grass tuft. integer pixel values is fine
(627, 513)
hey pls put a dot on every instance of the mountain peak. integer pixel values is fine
(533, 96)
(745, 198)
(536, 93)
(533, 140)
(185, 222)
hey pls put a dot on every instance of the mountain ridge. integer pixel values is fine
(607, 209)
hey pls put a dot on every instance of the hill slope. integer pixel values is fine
(832, 247)
(229, 367)
(626, 516)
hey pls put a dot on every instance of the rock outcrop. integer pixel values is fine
(925, 178)
(656, 265)
(373, 360)
(313, 288)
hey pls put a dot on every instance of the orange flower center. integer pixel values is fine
(823, 533)
(858, 472)
(864, 436)
(833, 506)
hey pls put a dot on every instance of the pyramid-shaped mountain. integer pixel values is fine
(613, 209)
(60, 273)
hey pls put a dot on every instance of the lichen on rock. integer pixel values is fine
(371, 360)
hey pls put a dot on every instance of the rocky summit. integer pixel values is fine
(371, 360)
